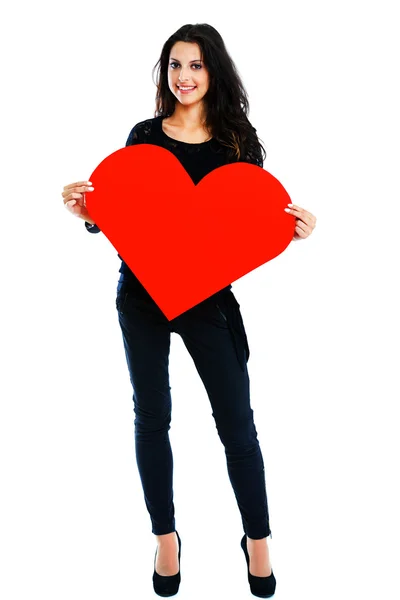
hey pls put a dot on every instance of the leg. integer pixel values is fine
(146, 338)
(207, 337)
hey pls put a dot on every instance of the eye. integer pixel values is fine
(194, 65)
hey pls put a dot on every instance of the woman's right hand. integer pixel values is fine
(74, 199)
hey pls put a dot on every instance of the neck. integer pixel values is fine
(189, 117)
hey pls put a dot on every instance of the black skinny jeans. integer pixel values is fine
(206, 330)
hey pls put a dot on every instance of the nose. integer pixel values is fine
(181, 76)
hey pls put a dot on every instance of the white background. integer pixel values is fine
(322, 318)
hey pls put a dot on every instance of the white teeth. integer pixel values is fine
(186, 88)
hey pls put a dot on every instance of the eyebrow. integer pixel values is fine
(196, 60)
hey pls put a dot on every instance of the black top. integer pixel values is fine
(197, 159)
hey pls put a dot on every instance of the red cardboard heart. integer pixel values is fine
(185, 242)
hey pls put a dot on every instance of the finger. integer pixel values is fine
(302, 227)
(83, 188)
(300, 232)
(72, 196)
(310, 218)
(296, 209)
(302, 215)
(77, 183)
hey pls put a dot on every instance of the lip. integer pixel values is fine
(187, 92)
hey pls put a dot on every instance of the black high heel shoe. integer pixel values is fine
(167, 585)
(262, 587)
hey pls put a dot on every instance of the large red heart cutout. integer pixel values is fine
(185, 242)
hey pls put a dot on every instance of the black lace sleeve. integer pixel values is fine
(92, 228)
(254, 156)
(133, 137)
(255, 159)
(139, 133)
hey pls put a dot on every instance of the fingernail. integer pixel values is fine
(290, 204)
(287, 209)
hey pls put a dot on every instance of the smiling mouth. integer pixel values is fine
(186, 88)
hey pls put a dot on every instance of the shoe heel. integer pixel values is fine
(164, 585)
(262, 587)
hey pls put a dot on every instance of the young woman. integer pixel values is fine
(201, 117)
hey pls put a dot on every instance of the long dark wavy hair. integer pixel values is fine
(226, 101)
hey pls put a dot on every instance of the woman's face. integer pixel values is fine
(185, 68)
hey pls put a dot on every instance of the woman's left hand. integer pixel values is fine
(305, 221)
